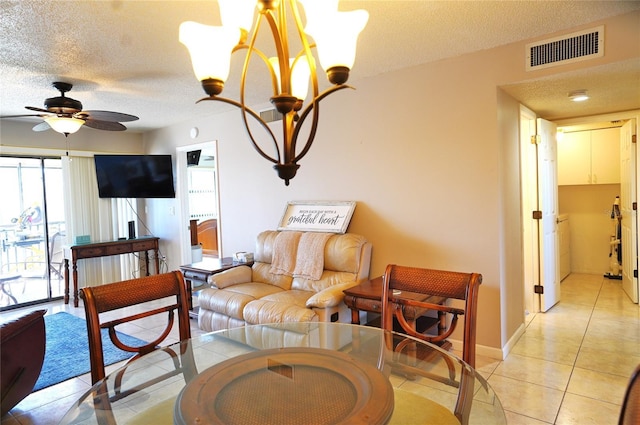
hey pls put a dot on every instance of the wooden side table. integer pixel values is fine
(104, 249)
(367, 296)
(197, 275)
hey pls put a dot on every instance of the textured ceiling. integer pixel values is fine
(125, 56)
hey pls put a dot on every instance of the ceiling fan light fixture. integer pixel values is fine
(64, 125)
(578, 96)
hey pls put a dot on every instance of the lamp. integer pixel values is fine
(64, 125)
(335, 34)
(578, 96)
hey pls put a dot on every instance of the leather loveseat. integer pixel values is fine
(281, 285)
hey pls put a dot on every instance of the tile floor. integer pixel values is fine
(573, 363)
(571, 366)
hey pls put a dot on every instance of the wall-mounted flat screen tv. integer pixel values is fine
(135, 176)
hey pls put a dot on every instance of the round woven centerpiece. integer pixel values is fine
(287, 386)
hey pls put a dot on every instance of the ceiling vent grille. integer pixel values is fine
(578, 46)
(270, 115)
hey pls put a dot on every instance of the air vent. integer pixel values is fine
(270, 115)
(578, 46)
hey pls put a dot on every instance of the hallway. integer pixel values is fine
(573, 363)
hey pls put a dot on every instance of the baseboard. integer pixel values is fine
(481, 350)
(513, 340)
(493, 352)
(496, 353)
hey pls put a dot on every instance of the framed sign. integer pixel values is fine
(317, 216)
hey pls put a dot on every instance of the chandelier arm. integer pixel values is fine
(281, 46)
(253, 49)
(246, 124)
(306, 50)
(314, 125)
(242, 104)
(265, 59)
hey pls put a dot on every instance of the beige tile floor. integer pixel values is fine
(573, 363)
(571, 366)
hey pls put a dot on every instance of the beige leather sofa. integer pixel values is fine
(277, 288)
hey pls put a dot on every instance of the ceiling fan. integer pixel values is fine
(65, 115)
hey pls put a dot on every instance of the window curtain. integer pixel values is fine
(124, 210)
(101, 219)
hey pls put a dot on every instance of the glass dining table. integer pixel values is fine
(293, 373)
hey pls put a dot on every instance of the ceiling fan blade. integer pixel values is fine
(33, 108)
(104, 125)
(43, 126)
(23, 115)
(108, 116)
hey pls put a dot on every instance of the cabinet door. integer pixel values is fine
(605, 156)
(574, 158)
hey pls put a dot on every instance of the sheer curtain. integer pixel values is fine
(101, 219)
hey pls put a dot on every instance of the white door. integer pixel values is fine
(547, 153)
(529, 188)
(629, 216)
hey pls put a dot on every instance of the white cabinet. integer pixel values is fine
(605, 156)
(589, 157)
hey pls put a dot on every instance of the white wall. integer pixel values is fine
(422, 166)
(589, 209)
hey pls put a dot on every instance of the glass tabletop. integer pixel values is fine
(322, 373)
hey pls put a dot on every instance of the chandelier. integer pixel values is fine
(334, 34)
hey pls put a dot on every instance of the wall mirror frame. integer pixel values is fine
(191, 208)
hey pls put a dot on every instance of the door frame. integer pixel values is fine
(183, 189)
(614, 116)
(46, 231)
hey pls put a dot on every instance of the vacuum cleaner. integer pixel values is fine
(615, 247)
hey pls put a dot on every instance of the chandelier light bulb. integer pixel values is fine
(210, 48)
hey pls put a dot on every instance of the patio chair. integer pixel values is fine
(56, 254)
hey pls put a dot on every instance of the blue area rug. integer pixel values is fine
(67, 353)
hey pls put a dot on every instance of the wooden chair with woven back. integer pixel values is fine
(410, 293)
(168, 294)
(437, 286)
(630, 411)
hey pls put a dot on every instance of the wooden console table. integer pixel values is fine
(105, 249)
(197, 275)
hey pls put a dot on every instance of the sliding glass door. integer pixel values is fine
(32, 230)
